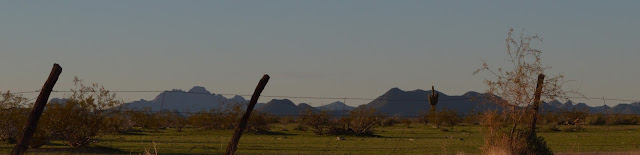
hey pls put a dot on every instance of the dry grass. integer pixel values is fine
(155, 149)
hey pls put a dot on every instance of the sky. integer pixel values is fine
(313, 48)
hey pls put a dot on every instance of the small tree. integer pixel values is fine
(80, 118)
(359, 121)
(362, 120)
(319, 123)
(513, 88)
(12, 116)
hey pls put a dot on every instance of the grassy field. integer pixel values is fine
(416, 139)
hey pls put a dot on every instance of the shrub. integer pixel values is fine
(514, 88)
(551, 127)
(319, 123)
(13, 116)
(228, 118)
(596, 119)
(260, 122)
(12, 121)
(624, 119)
(390, 121)
(81, 117)
(572, 128)
(75, 121)
(359, 121)
(118, 121)
(439, 118)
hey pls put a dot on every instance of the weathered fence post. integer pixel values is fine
(233, 145)
(536, 102)
(36, 112)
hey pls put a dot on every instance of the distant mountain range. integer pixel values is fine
(197, 99)
(395, 102)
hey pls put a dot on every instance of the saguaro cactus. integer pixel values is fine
(433, 99)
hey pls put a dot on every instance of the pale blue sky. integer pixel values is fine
(312, 48)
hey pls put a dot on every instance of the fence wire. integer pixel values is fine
(327, 146)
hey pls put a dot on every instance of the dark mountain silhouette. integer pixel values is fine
(335, 106)
(195, 100)
(280, 107)
(302, 107)
(397, 102)
(557, 106)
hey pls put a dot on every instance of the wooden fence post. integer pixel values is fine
(233, 144)
(36, 112)
(536, 102)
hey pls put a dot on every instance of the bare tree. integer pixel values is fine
(513, 88)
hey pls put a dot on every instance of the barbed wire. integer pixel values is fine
(450, 98)
(240, 113)
(330, 143)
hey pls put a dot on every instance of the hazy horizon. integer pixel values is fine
(313, 48)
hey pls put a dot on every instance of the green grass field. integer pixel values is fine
(417, 139)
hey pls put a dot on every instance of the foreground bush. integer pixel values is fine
(81, 117)
(13, 116)
(518, 88)
(76, 121)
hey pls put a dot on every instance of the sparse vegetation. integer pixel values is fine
(360, 121)
(82, 117)
(444, 118)
(12, 116)
(90, 118)
(513, 88)
(197, 141)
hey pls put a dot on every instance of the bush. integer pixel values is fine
(319, 123)
(229, 119)
(623, 119)
(596, 119)
(75, 121)
(390, 121)
(359, 121)
(502, 137)
(439, 118)
(572, 128)
(81, 117)
(13, 116)
(119, 121)
(551, 127)
(12, 122)
(260, 122)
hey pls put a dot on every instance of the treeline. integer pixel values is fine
(91, 111)
(83, 117)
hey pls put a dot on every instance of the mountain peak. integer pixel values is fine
(199, 89)
(238, 99)
(335, 106)
(280, 107)
(472, 94)
(395, 89)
